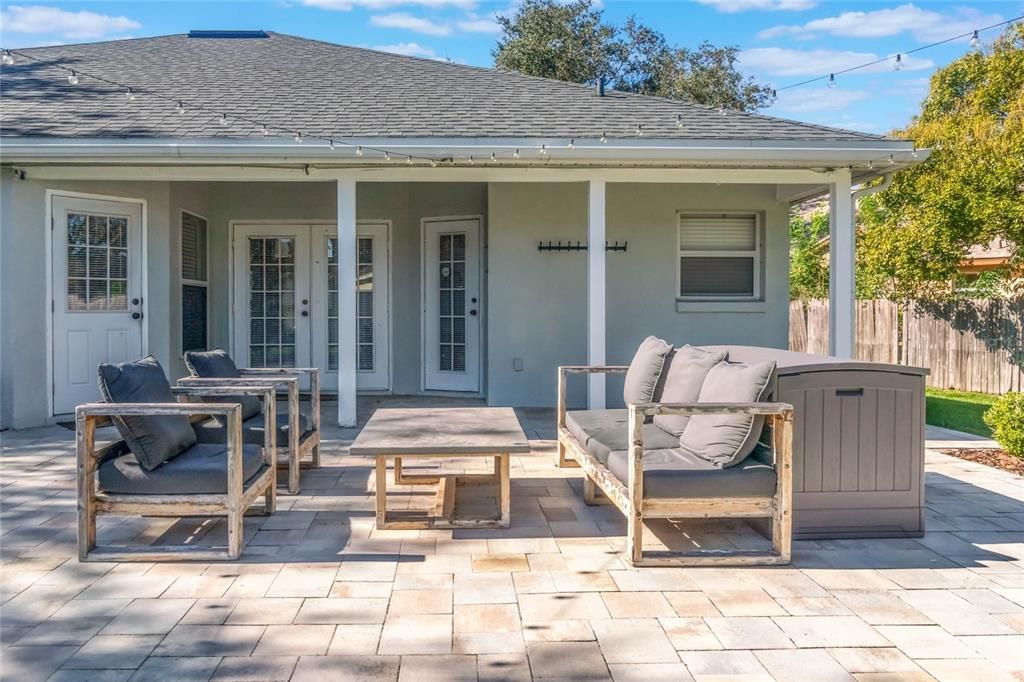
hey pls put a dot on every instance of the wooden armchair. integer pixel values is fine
(299, 436)
(248, 475)
(662, 483)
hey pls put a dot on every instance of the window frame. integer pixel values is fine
(757, 254)
(184, 281)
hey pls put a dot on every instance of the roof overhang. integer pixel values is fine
(865, 158)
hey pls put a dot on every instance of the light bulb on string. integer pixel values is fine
(975, 41)
(515, 154)
(543, 150)
(639, 130)
(679, 120)
(470, 159)
(408, 160)
(298, 137)
(775, 96)
(331, 144)
(266, 131)
(898, 66)
(8, 58)
(73, 78)
(832, 80)
(359, 150)
(891, 160)
(604, 138)
(129, 95)
(494, 159)
(180, 108)
(572, 143)
(223, 120)
(387, 155)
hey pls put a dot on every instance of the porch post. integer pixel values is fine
(596, 291)
(346, 302)
(842, 314)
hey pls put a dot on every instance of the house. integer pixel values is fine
(387, 219)
(995, 255)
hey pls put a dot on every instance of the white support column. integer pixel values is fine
(596, 291)
(346, 302)
(842, 313)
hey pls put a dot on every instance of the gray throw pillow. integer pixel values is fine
(726, 440)
(217, 364)
(645, 370)
(682, 379)
(152, 439)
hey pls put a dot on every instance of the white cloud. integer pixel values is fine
(78, 25)
(733, 6)
(408, 49)
(782, 61)
(410, 23)
(477, 24)
(346, 5)
(924, 25)
(800, 100)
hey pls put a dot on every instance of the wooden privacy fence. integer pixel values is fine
(971, 345)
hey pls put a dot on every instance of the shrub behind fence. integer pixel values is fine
(972, 345)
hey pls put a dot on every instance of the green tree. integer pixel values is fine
(970, 191)
(808, 256)
(572, 42)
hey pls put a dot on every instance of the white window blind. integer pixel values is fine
(193, 247)
(719, 256)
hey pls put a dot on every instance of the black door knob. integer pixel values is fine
(472, 312)
(136, 316)
(305, 301)
(305, 313)
(136, 301)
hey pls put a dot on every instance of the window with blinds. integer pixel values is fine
(194, 282)
(719, 256)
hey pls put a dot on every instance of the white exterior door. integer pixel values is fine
(373, 320)
(452, 304)
(97, 302)
(286, 300)
(272, 296)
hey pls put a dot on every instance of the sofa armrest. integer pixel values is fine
(691, 409)
(565, 370)
(266, 392)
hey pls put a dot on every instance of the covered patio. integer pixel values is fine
(320, 593)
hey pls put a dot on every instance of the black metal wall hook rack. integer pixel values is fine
(579, 246)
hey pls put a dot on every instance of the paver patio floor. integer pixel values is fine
(320, 594)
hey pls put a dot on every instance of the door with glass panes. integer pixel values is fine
(286, 300)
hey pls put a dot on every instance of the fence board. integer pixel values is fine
(975, 345)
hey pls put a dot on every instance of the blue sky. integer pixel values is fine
(782, 41)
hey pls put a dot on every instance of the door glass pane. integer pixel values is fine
(271, 302)
(365, 350)
(97, 262)
(451, 304)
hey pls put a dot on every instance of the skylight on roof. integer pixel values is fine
(227, 34)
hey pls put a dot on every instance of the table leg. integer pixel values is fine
(398, 471)
(381, 489)
(504, 491)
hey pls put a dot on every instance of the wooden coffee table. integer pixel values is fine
(442, 433)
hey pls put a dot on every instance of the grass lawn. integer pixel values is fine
(958, 410)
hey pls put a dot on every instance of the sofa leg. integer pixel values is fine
(294, 471)
(316, 456)
(635, 538)
(270, 497)
(590, 491)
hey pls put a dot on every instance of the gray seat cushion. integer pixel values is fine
(201, 469)
(645, 371)
(673, 472)
(217, 364)
(681, 381)
(212, 431)
(602, 431)
(153, 439)
(725, 440)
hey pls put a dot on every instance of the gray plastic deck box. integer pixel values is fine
(858, 443)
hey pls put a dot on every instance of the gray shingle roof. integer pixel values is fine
(324, 89)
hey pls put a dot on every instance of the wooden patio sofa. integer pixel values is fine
(113, 480)
(639, 469)
(298, 436)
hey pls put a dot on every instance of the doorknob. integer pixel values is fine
(305, 313)
(136, 316)
(472, 312)
(305, 301)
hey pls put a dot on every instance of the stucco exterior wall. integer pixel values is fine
(534, 302)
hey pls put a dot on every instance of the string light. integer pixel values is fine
(679, 120)
(408, 160)
(387, 155)
(181, 108)
(898, 66)
(266, 131)
(975, 41)
(359, 150)
(832, 80)
(543, 150)
(332, 145)
(129, 95)
(470, 159)
(73, 78)
(639, 130)
(298, 137)
(8, 58)
(572, 143)
(515, 154)
(494, 158)
(223, 120)
(604, 138)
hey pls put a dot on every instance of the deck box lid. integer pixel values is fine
(789, 362)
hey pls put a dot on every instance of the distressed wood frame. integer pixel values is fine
(628, 496)
(564, 461)
(233, 504)
(299, 445)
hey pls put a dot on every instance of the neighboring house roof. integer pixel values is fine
(319, 88)
(983, 257)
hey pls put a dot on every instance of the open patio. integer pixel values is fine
(320, 593)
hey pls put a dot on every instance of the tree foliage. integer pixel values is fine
(969, 192)
(570, 41)
(808, 256)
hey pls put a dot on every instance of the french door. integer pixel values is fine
(97, 304)
(286, 300)
(452, 304)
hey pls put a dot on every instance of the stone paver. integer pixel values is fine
(320, 593)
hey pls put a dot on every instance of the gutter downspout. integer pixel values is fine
(868, 191)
